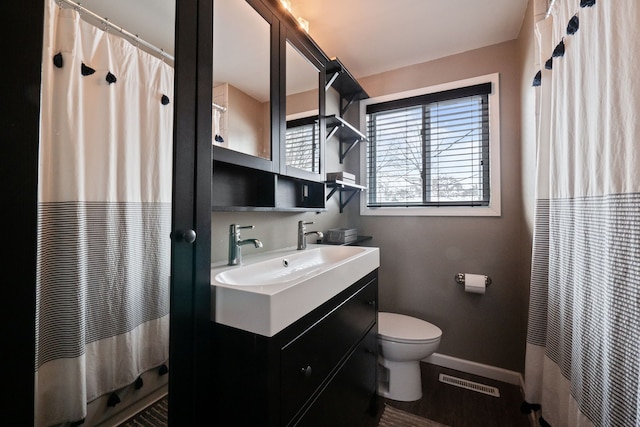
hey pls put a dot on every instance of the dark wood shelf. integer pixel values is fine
(241, 189)
(263, 209)
(347, 86)
(348, 136)
(343, 187)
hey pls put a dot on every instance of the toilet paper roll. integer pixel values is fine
(475, 283)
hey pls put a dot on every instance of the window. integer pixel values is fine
(301, 144)
(431, 153)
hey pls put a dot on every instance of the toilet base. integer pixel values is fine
(400, 381)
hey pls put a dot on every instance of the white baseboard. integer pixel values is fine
(487, 371)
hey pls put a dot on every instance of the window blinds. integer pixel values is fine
(430, 150)
(301, 145)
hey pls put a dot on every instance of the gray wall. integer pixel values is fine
(529, 67)
(420, 255)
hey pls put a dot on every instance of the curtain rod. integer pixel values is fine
(553, 2)
(119, 29)
(218, 107)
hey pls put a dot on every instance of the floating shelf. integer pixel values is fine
(347, 134)
(342, 187)
(347, 86)
(242, 189)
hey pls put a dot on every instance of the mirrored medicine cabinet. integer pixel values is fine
(305, 131)
(244, 121)
(268, 105)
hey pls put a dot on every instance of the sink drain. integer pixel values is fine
(285, 263)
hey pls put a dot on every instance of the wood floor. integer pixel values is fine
(455, 406)
(459, 407)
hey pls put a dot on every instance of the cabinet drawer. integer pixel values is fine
(307, 361)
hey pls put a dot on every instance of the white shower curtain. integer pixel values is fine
(105, 178)
(583, 343)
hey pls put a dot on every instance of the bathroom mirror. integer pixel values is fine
(241, 79)
(303, 148)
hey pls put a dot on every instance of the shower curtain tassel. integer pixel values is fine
(57, 60)
(86, 70)
(587, 3)
(113, 400)
(527, 407)
(111, 78)
(549, 64)
(559, 50)
(573, 25)
(537, 80)
(163, 370)
(139, 383)
(77, 423)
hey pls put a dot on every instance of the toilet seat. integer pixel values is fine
(406, 329)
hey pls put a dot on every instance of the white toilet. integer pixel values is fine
(402, 342)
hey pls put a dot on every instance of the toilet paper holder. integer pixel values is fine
(460, 279)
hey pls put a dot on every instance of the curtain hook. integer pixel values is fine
(105, 23)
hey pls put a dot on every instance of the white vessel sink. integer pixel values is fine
(272, 290)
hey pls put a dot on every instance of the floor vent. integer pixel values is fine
(469, 385)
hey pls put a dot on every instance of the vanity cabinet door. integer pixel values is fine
(349, 398)
(310, 359)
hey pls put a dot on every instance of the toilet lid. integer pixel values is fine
(398, 327)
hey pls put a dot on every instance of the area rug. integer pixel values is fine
(156, 415)
(393, 417)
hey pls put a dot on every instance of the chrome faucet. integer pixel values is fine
(236, 243)
(303, 233)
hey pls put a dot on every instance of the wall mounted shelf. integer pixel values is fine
(342, 187)
(350, 91)
(348, 136)
(237, 188)
(347, 86)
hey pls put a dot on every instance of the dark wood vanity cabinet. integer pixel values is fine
(319, 371)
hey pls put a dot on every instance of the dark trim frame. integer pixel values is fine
(190, 346)
(461, 92)
(20, 130)
(317, 58)
(483, 90)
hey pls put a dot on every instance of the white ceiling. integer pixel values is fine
(368, 36)
(373, 36)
